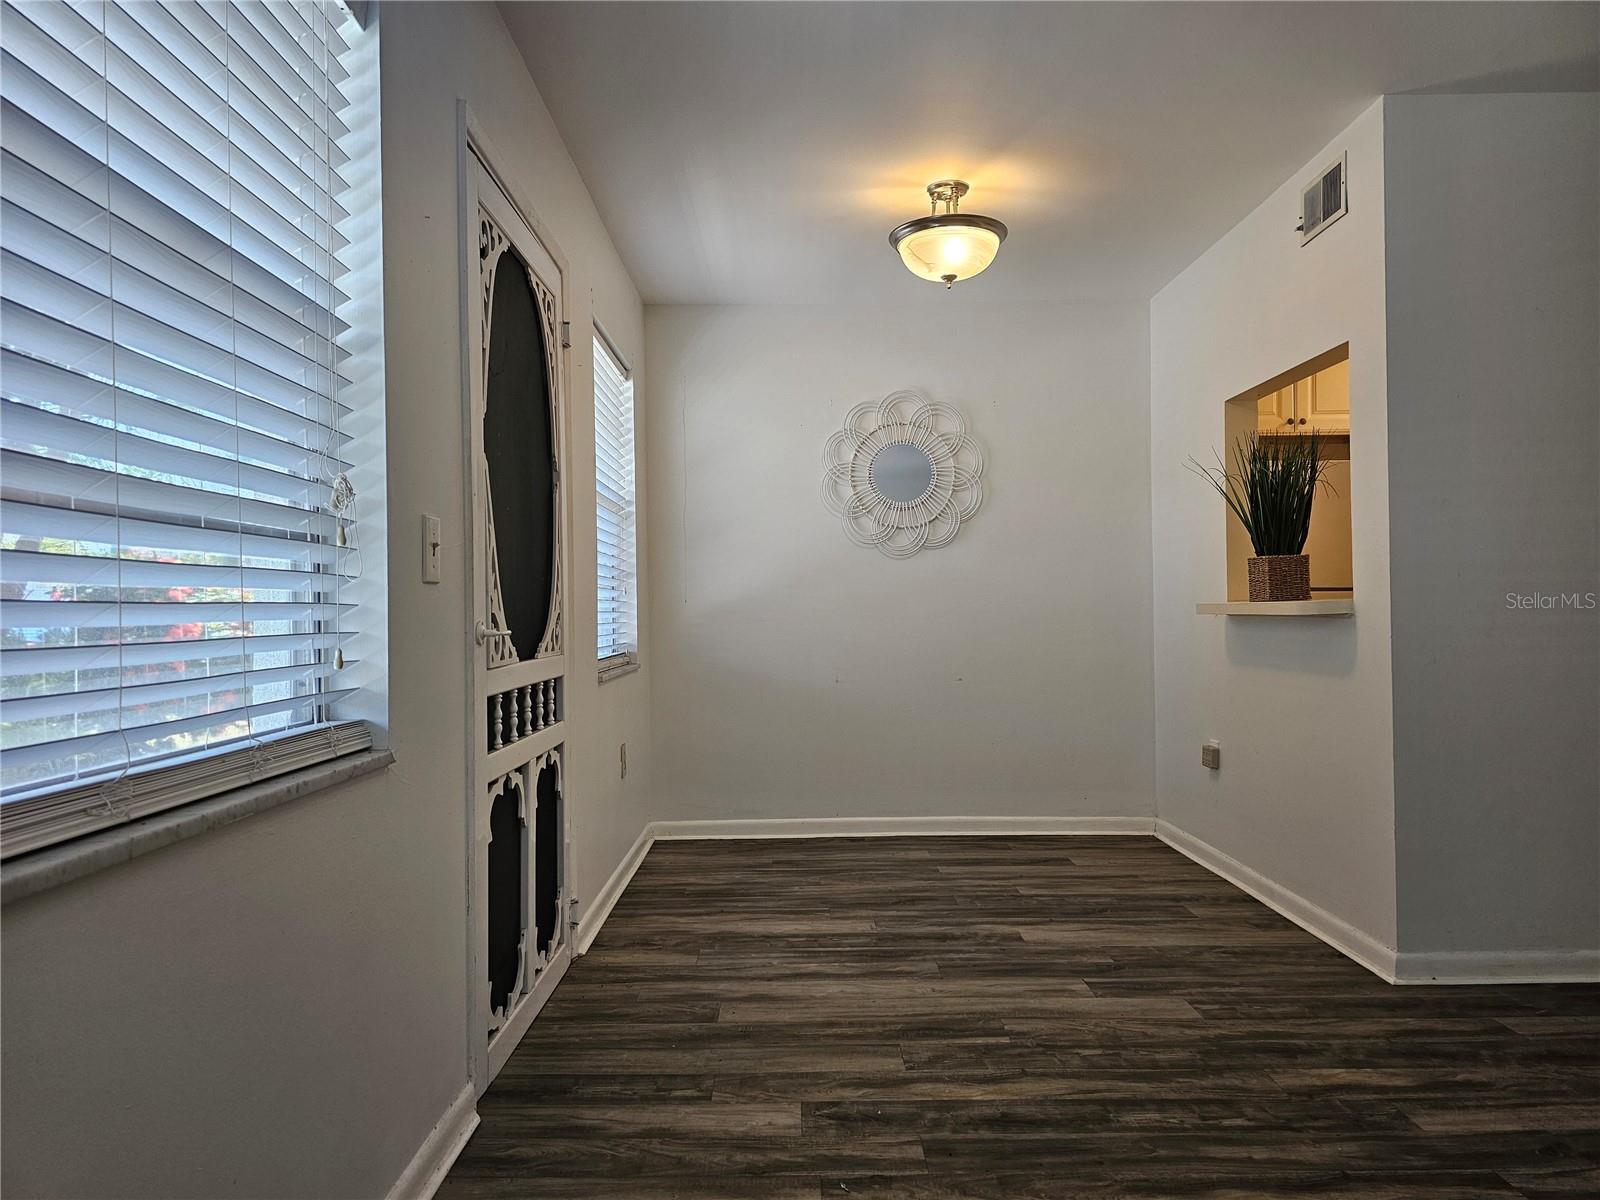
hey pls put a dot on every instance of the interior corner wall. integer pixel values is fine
(800, 675)
(1302, 707)
(279, 1008)
(1494, 485)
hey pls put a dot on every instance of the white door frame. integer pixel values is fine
(484, 191)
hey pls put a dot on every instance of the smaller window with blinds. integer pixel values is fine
(617, 570)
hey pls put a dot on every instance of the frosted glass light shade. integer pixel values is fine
(950, 247)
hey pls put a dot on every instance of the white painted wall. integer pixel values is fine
(798, 675)
(279, 1009)
(1305, 795)
(1494, 472)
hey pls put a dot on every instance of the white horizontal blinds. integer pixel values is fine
(617, 580)
(172, 548)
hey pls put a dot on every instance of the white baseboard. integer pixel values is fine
(605, 900)
(820, 827)
(1400, 967)
(1353, 943)
(1496, 966)
(433, 1159)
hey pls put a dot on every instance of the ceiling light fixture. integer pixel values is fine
(948, 246)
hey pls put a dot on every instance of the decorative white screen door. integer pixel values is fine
(519, 895)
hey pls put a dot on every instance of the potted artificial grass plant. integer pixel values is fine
(1270, 488)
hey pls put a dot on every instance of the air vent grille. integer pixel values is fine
(1324, 200)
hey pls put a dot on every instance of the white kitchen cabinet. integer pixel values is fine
(1320, 402)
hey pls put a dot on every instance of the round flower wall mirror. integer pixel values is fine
(903, 474)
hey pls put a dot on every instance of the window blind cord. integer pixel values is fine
(229, 75)
(342, 485)
(342, 493)
(114, 792)
(342, 498)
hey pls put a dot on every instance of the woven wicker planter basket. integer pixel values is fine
(1280, 577)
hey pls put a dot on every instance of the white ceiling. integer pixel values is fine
(761, 152)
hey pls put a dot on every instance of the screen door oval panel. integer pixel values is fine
(521, 478)
(519, 447)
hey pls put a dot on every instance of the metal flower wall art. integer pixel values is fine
(903, 474)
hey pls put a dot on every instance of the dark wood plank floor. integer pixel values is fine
(1016, 1017)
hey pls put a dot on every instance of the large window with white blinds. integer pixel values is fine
(177, 528)
(615, 543)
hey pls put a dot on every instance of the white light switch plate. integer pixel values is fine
(430, 549)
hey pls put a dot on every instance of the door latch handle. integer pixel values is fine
(481, 633)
